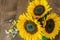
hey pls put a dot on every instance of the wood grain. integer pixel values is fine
(9, 8)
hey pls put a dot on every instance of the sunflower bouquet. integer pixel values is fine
(38, 23)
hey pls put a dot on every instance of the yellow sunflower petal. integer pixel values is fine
(38, 8)
(24, 23)
(55, 25)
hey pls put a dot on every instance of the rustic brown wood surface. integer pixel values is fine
(10, 8)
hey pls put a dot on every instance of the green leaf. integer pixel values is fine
(46, 15)
(45, 38)
(41, 19)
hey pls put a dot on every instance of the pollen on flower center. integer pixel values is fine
(30, 27)
(39, 10)
(49, 25)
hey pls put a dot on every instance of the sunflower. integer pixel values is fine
(29, 28)
(51, 25)
(38, 8)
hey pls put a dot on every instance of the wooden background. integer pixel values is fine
(13, 8)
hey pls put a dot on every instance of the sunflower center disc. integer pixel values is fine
(49, 26)
(39, 10)
(30, 27)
